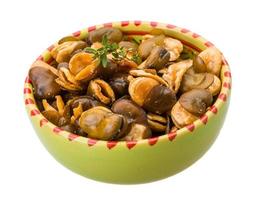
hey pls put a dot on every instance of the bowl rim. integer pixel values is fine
(223, 96)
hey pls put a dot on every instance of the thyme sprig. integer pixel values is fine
(118, 53)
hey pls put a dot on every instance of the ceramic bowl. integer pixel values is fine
(135, 161)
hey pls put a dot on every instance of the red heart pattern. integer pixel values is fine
(111, 144)
(227, 85)
(34, 112)
(91, 28)
(137, 22)
(214, 109)
(108, 24)
(27, 80)
(124, 23)
(183, 30)
(72, 136)
(153, 24)
(91, 142)
(227, 74)
(208, 44)
(57, 130)
(27, 91)
(204, 119)
(190, 127)
(223, 97)
(76, 34)
(29, 101)
(172, 135)
(195, 35)
(131, 144)
(171, 26)
(43, 122)
(153, 141)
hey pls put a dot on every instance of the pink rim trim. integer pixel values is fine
(131, 144)
(191, 127)
(204, 119)
(171, 26)
(153, 24)
(34, 112)
(111, 144)
(43, 122)
(153, 141)
(172, 135)
(57, 130)
(29, 101)
(91, 142)
(109, 24)
(76, 34)
(91, 28)
(137, 22)
(124, 23)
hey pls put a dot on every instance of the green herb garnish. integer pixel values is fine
(102, 52)
(136, 40)
(119, 54)
(111, 48)
(136, 58)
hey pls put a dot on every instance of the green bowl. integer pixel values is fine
(134, 161)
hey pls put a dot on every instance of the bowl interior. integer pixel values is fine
(136, 28)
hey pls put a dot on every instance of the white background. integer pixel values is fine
(227, 171)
